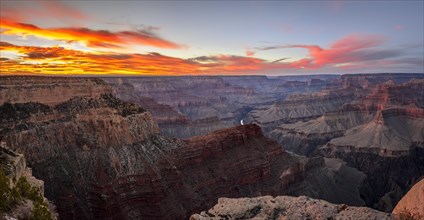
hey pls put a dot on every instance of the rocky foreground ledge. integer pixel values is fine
(286, 207)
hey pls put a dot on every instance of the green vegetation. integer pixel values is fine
(27, 191)
(10, 198)
(40, 212)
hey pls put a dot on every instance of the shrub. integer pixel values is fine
(10, 198)
(27, 191)
(4, 192)
(40, 212)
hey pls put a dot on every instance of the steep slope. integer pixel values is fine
(393, 132)
(285, 207)
(21, 194)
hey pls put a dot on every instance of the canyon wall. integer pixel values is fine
(380, 132)
(101, 157)
(49, 90)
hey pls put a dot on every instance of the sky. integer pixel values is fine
(210, 37)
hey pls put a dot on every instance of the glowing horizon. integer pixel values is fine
(74, 38)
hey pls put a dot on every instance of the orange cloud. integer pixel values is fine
(351, 52)
(58, 60)
(91, 38)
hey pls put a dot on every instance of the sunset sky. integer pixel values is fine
(209, 38)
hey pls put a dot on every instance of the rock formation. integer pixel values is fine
(302, 106)
(20, 191)
(104, 158)
(412, 204)
(285, 207)
(206, 103)
(48, 90)
(380, 133)
(101, 157)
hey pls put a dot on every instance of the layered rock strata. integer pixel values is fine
(381, 134)
(49, 90)
(285, 207)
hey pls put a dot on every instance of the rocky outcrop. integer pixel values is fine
(412, 204)
(21, 192)
(76, 143)
(40, 131)
(285, 207)
(14, 167)
(48, 90)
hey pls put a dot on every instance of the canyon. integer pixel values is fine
(168, 147)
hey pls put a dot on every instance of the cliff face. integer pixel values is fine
(21, 192)
(190, 175)
(14, 167)
(49, 90)
(285, 207)
(38, 130)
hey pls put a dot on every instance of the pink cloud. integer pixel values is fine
(352, 48)
(250, 53)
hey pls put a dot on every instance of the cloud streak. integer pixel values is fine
(349, 53)
(89, 37)
(343, 52)
(50, 60)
